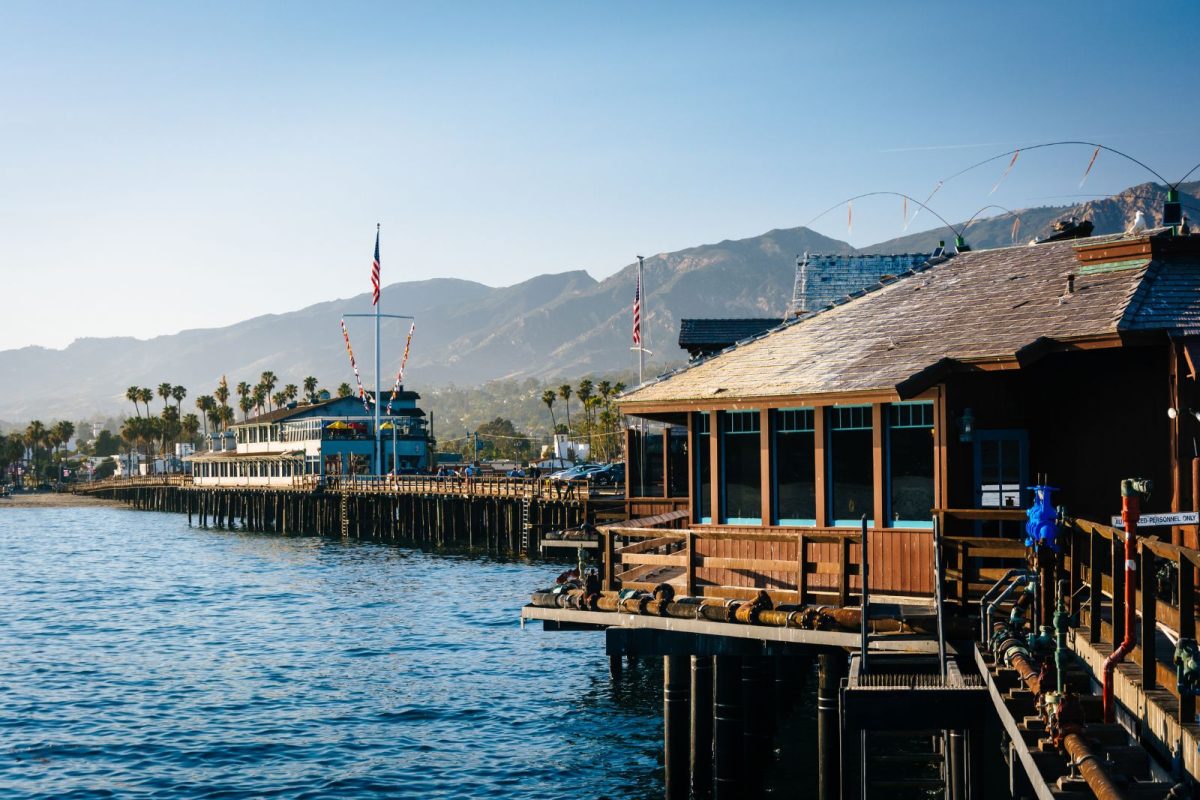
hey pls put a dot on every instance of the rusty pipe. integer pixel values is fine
(1130, 514)
(1025, 671)
(1090, 767)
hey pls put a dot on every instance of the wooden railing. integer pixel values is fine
(133, 480)
(1165, 597)
(793, 567)
(514, 488)
(975, 563)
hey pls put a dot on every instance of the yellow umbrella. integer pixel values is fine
(337, 426)
(387, 426)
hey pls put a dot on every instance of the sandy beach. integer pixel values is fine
(52, 500)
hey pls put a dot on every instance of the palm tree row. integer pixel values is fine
(601, 420)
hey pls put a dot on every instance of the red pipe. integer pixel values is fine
(1130, 514)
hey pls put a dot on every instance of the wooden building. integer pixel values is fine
(327, 438)
(957, 384)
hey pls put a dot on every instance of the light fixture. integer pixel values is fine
(966, 426)
(1172, 413)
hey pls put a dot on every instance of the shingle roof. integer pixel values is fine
(722, 331)
(976, 306)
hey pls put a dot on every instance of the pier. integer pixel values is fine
(503, 515)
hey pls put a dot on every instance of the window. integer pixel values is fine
(910, 465)
(703, 491)
(741, 476)
(851, 465)
(795, 467)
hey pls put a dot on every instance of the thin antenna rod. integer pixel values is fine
(1056, 144)
(835, 206)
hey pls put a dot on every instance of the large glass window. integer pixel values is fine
(910, 465)
(703, 470)
(851, 465)
(795, 467)
(741, 473)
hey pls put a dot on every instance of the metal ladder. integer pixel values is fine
(345, 514)
(526, 503)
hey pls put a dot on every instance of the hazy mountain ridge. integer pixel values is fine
(565, 324)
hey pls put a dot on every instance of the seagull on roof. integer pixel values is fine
(1139, 224)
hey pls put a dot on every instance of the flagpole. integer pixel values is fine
(641, 379)
(378, 367)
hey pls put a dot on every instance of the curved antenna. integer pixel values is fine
(1185, 177)
(1056, 144)
(967, 224)
(836, 206)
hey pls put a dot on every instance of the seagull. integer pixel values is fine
(1139, 224)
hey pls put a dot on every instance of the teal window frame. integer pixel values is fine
(904, 416)
(748, 422)
(798, 419)
(842, 418)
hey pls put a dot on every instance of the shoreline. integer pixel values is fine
(54, 500)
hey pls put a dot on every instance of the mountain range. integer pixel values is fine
(557, 325)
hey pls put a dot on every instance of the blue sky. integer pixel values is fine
(169, 165)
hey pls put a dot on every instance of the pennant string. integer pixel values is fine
(1095, 153)
(850, 217)
(905, 212)
(1016, 228)
(400, 374)
(927, 199)
(362, 393)
(1006, 171)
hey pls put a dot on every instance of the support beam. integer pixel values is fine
(727, 727)
(702, 727)
(832, 668)
(676, 726)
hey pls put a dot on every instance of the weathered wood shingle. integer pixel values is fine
(976, 306)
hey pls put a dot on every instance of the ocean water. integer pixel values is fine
(142, 658)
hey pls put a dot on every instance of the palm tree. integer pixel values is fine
(168, 426)
(584, 393)
(146, 394)
(243, 390)
(280, 399)
(564, 392)
(190, 425)
(259, 395)
(214, 415)
(177, 394)
(132, 433)
(290, 392)
(205, 403)
(222, 395)
(63, 431)
(133, 394)
(548, 399)
(267, 380)
(344, 390)
(164, 391)
(245, 404)
(310, 388)
(35, 434)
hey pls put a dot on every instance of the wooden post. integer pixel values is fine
(714, 467)
(1149, 630)
(822, 498)
(964, 581)
(801, 569)
(702, 727)
(689, 580)
(880, 515)
(666, 459)
(766, 493)
(609, 566)
(676, 726)
(844, 572)
(1095, 587)
(693, 513)
(1187, 630)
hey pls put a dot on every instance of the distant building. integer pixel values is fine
(703, 337)
(822, 281)
(329, 437)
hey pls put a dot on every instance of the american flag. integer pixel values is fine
(637, 311)
(375, 271)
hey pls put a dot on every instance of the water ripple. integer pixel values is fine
(141, 658)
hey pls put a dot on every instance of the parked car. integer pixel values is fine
(574, 473)
(609, 475)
